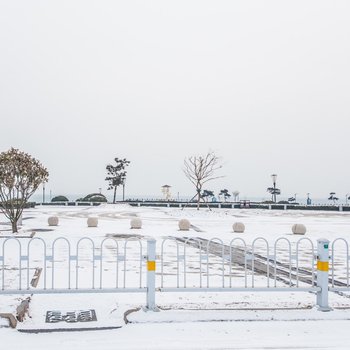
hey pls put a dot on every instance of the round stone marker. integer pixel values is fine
(92, 222)
(299, 229)
(238, 227)
(52, 220)
(135, 223)
(184, 225)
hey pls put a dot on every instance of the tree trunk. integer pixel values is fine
(198, 198)
(115, 192)
(14, 226)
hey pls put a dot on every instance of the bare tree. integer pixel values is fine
(20, 176)
(201, 169)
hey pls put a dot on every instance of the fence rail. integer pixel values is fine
(184, 264)
(240, 205)
(65, 265)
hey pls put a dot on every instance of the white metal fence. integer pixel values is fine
(235, 265)
(68, 266)
(180, 264)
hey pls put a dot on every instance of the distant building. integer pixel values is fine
(166, 192)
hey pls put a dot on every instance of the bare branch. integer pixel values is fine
(201, 169)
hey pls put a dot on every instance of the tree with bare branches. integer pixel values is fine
(201, 169)
(20, 176)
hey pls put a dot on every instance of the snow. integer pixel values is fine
(186, 320)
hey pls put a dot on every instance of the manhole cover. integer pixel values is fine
(42, 229)
(123, 236)
(70, 316)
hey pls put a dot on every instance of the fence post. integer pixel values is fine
(322, 274)
(151, 275)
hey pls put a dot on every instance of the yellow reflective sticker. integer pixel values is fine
(151, 265)
(322, 265)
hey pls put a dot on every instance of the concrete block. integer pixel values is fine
(52, 221)
(136, 223)
(238, 227)
(299, 229)
(184, 225)
(92, 222)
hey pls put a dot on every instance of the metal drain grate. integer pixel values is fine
(71, 316)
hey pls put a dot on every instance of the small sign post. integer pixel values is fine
(322, 274)
(151, 275)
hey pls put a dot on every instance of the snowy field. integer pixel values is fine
(187, 320)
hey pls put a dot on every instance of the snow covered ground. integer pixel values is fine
(187, 320)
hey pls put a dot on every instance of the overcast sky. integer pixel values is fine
(265, 84)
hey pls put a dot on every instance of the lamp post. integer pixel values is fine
(274, 177)
(43, 192)
(308, 200)
(123, 184)
(295, 197)
(347, 198)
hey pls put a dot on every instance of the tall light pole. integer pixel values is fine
(124, 189)
(274, 178)
(43, 192)
(295, 197)
(308, 200)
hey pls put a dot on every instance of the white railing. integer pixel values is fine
(184, 264)
(340, 265)
(83, 266)
(199, 263)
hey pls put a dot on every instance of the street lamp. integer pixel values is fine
(274, 191)
(43, 192)
(274, 177)
(123, 183)
(308, 200)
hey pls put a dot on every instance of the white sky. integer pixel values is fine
(266, 84)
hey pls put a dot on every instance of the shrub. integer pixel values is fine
(93, 197)
(59, 199)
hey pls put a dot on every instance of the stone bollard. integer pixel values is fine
(52, 221)
(238, 227)
(299, 229)
(92, 222)
(136, 223)
(184, 225)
